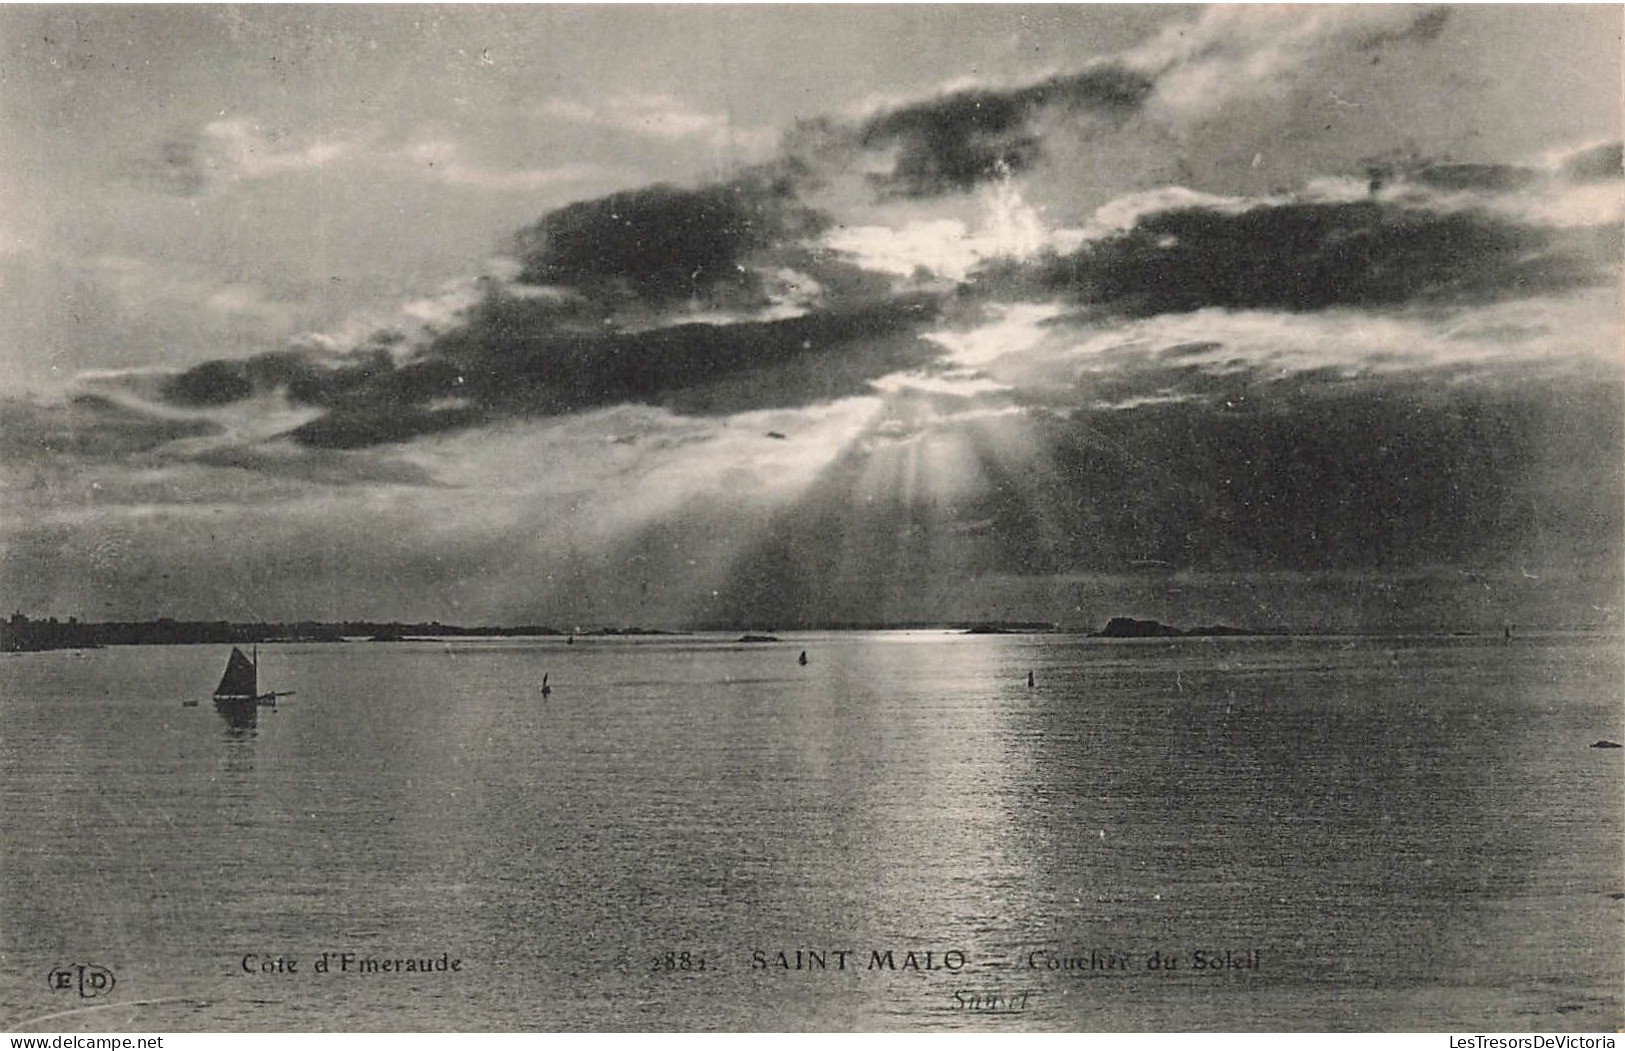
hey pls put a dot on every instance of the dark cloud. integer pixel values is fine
(508, 360)
(306, 377)
(211, 383)
(1426, 26)
(222, 382)
(664, 243)
(360, 426)
(1491, 178)
(1596, 164)
(958, 141)
(1313, 256)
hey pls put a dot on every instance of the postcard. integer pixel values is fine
(781, 518)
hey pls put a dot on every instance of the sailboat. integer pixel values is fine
(239, 688)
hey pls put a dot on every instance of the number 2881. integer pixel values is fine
(673, 962)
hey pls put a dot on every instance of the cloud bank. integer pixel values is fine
(930, 349)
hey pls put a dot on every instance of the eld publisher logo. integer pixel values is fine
(90, 981)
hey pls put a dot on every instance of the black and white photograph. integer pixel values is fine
(788, 518)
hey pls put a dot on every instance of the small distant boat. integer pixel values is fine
(546, 689)
(802, 660)
(239, 687)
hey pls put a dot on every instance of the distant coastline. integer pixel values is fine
(22, 634)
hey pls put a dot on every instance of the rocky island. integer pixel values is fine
(1129, 628)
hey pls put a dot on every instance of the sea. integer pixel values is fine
(691, 832)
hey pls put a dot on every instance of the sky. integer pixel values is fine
(782, 316)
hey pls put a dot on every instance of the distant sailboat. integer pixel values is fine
(1029, 680)
(239, 687)
(546, 689)
(802, 660)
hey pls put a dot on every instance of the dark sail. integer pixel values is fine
(241, 678)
